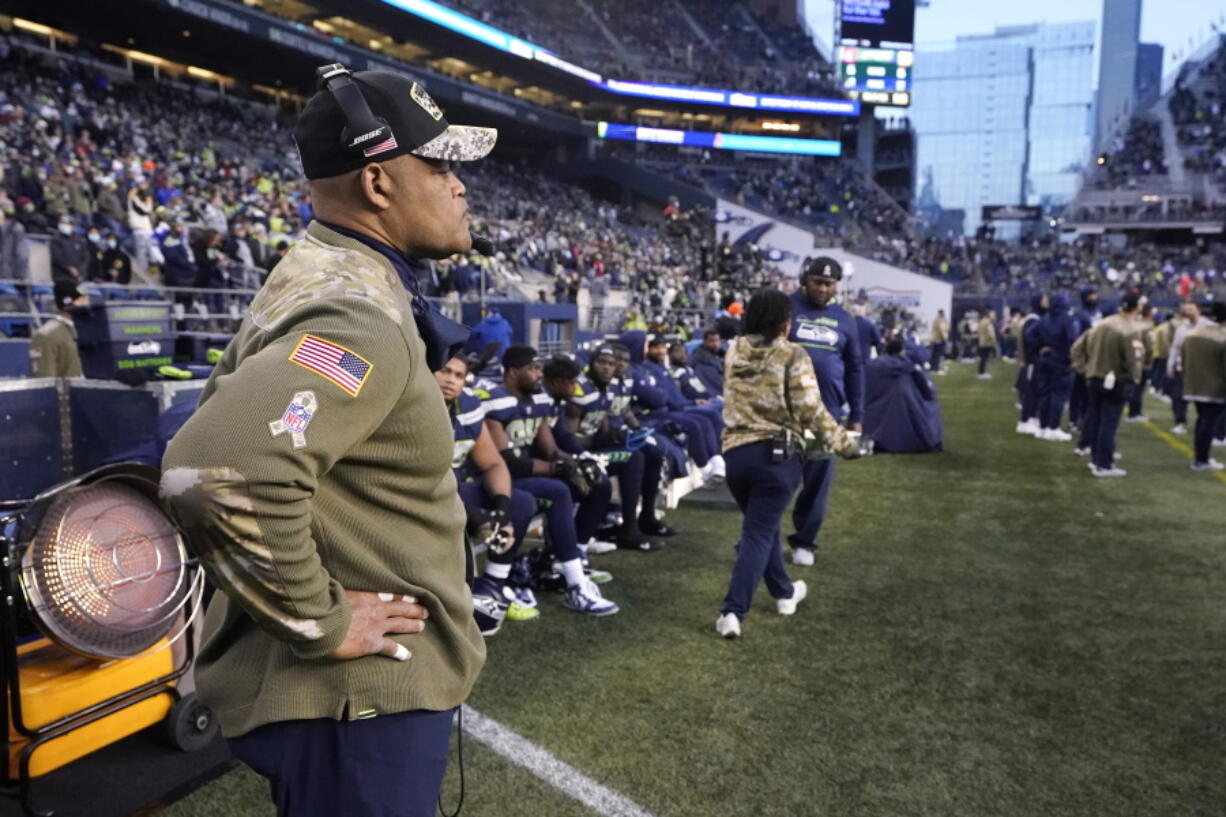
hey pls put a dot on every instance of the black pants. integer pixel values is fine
(1208, 419)
(1104, 410)
(387, 766)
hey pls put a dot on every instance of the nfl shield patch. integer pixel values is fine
(297, 416)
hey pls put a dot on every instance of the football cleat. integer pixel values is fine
(585, 598)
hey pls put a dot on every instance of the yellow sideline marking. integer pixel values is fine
(1180, 446)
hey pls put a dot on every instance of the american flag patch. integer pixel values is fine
(332, 362)
(383, 147)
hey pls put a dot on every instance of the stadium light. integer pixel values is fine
(37, 28)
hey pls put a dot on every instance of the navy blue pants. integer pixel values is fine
(1028, 390)
(1179, 406)
(698, 433)
(638, 478)
(1157, 375)
(985, 354)
(1138, 393)
(1055, 381)
(523, 508)
(812, 503)
(1209, 419)
(1078, 400)
(1102, 419)
(553, 497)
(937, 352)
(762, 491)
(387, 766)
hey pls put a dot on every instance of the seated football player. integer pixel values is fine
(515, 416)
(656, 404)
(637, 463)
(498, 515)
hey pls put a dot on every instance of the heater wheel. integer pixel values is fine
(191, 725)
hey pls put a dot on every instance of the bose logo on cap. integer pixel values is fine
(366, 137)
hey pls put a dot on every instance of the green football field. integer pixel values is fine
(989, 631)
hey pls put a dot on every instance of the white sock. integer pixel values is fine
(497, 571)
(573, 571)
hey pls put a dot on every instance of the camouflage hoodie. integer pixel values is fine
(770, 386)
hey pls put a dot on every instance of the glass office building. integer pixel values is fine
(1007, 117)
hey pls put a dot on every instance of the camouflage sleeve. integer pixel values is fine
(240, 476)
(805, 403)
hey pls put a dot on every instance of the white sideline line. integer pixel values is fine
(562, 776)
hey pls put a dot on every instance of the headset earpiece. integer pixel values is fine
(362, 128)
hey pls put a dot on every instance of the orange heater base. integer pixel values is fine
(56, 683)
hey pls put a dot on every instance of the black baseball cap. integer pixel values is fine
(406, 120)
(823, 267)
(65, 292)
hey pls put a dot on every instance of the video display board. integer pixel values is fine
(876, 52)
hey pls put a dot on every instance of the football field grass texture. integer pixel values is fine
(988, 631)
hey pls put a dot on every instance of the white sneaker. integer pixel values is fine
(1026, 428)
(802, 557)
(984, 376)
(1220, 442)
(1211, 465)
(585, 598)
(595, 547)
(1056, 435)
(1140, 418)
(1033, 423)
(1179, 429)
(728, 625)
(787, 607)
(1082, 452)
(1108, 472)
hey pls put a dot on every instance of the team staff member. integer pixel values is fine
(987, 342)
(1145, 324)
(772, 398)
(53, 348)
(1111, 357)
(1203, 355)
(314, 480)
(1190, 318)
(940, 336)
(829, 335)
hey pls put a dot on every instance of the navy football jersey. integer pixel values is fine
(467, 416)
(594, 403)
(520, 419)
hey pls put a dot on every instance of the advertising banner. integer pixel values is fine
(785, 246)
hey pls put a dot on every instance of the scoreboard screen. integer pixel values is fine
(876, 50)
(878, 23)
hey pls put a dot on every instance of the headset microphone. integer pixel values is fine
(482, 244)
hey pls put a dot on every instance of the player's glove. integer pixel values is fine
(568, 471)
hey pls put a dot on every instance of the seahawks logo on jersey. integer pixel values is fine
(817, 334)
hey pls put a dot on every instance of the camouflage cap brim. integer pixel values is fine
(459, 143)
